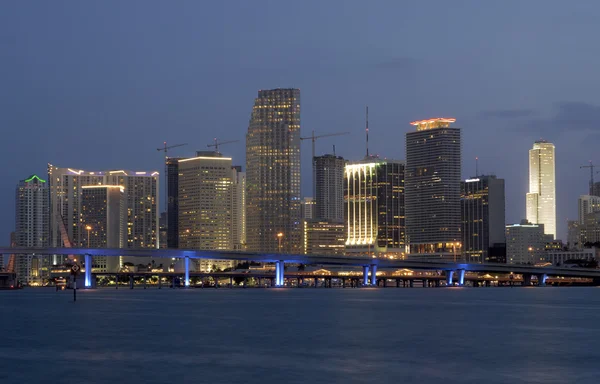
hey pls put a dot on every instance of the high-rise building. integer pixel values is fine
(374, 206)
(141, 201)
(238, 207)
(103, 218)
(526, 243)
(329, 188)
(433, 166)
(483, 218)
(273, 172)
(324, 237)
(162, 230)
(587, 204)
(574, 234)
(308, 206)
(173, 201)
(541, 199)
(31, 228)
(206, 205)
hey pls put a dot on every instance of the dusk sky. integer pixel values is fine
(100, 85)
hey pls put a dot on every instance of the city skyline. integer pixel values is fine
(167, 97)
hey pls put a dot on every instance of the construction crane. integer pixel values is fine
(165, 149)
(217, 143)
(591, 167)
(314, 138)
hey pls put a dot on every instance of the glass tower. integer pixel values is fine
(273, 172)
(541, 199)
(433, 166)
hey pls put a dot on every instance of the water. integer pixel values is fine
(435, 335)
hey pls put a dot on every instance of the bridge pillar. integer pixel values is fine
(373, 274)
(449, 276)
(526, 280)
(542, 279)
(159, 282)
(366, 275)
(131, 283)
(461, 277)
(186, 280)
(88, 271)
(279, 269)
(411, 283)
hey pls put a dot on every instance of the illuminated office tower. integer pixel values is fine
(206, 205)
(31, 228)
(273, 172)
(541, 199)
(103, 218)
(433, 166)
(483, 220)
(173, 201)
(374, 207)
(238, 208)
(141, 200)
(324, 237)
(329, 189)
(526, 243)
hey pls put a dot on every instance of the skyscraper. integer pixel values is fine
(374, 206)
(329, 189)
(238, 207)
(587, 204)
(541, 199)
(141, 200)
(433, 166)
(273, 172)
(103, 218)
(207, 201)
(173, 202)
(483, 219)
(31, 228)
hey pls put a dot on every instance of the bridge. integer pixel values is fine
(368, 264)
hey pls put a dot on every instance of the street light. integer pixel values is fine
(88, 228)
(530, 249)
(279, 237)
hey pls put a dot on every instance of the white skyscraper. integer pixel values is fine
(541, 199)
(31, 228)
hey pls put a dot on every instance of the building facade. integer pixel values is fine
(541, 199)
(329, 188)
(273, 172)
(238, 205)
(173, 201)
(308, 208)
(141, 200)
(433, 167)
(206, 206)
(104, 218)
(374, 207)
(32, 220)
(483, 218)
(587, 204)
(526, 243)
(324, 237)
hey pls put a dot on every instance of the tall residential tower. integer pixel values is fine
(273, 172)
(541, 199)
(433, 166)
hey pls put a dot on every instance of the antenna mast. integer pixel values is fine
(367, 131)
(476, 166)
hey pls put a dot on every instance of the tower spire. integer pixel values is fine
(367, 131)
(476, 166)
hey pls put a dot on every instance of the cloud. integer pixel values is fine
(508, 113)
(569, 116)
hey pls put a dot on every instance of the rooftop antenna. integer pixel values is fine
(367, 131)
(476, 166)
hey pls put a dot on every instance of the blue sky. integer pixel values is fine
(100, 85)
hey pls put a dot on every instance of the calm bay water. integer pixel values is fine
(435, 335)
